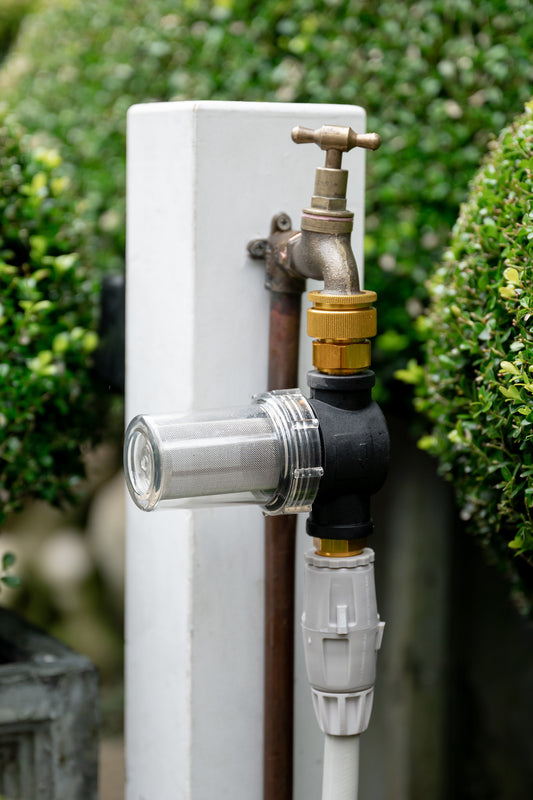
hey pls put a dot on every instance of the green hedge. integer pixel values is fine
(438, 78)
(477, 383)
(48, 405)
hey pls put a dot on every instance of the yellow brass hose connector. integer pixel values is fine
(339, 548)
(341, 326)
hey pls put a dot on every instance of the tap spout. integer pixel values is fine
(324, 256)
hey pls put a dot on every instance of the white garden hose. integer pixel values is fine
(341, 767)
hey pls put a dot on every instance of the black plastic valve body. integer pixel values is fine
(355, 443)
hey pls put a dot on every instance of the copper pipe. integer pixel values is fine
(283, 340)
(280, 545)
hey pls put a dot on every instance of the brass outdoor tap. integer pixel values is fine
(341, 320)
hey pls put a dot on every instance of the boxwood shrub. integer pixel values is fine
(437, 77)
(476, 385)
(48, 403)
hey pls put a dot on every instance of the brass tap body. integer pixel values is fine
(342, 319)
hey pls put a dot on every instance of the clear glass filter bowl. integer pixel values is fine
(267, 453)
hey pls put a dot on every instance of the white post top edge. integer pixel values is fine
(268, 108)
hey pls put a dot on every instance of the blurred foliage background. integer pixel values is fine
(12, 13)
(49, 404)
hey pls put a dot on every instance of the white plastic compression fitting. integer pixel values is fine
(342, 633)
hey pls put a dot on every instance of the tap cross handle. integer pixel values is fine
(335, 140)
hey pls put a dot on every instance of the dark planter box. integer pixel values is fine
(49, 717)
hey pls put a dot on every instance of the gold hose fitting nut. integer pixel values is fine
(352, 323)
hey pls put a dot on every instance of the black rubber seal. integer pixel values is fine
(355, 530)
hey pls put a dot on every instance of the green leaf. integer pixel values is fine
(508, 368)
(413, 373)
(90, 341)
(506, 472)
(65, 262)
(509, 292)
(517, 543)
(8, 559)
(11, 581)
(512, 275)
(61, 343)
(511, 393)
(39, 246)
(427, 442)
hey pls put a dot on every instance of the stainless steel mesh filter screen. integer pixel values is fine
(266, 453)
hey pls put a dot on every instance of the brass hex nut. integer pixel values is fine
(336, 358)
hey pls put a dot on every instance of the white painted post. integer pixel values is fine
(203, 179)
